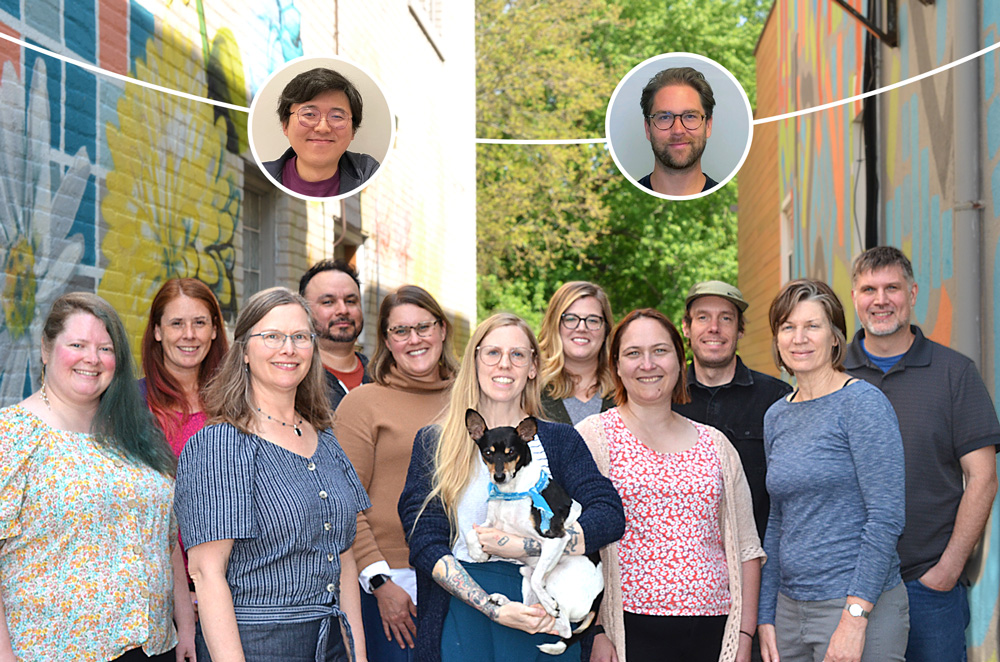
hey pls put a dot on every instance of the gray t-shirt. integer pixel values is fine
(579, 410)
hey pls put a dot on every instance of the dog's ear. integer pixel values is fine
(475, 424)
(527, 428)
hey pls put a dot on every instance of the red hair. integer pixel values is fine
(163, 394)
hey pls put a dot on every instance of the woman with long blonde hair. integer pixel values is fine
(576, 377)
(446, 494)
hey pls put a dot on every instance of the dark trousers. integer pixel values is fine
(673, 638)
(138, 655)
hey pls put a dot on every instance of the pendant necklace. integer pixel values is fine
(295, 426)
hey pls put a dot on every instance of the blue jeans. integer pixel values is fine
(937, 623)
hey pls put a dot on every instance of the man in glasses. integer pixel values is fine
(320, 111)
(677, 105)
(333, 291)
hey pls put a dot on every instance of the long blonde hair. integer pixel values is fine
(456, 454)
(555, 380)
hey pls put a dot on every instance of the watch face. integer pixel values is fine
(856, 610)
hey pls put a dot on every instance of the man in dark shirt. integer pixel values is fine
(950, 440)
(724, 392)
(333, 291)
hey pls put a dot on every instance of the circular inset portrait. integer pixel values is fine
(321, 128)
(679, 126)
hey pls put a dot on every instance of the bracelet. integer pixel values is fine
(597, 629)
(746, 633)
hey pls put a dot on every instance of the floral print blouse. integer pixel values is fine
(85, 568)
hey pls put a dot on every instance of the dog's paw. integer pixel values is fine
(558, 648)
(499, 599)
(476, 552)
(548, 603)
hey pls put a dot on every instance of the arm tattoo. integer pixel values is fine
(450, 574)
(574, 540)
(532, 547)
(503, 541)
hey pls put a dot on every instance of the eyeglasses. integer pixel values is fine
(491, 355)
(402, 331)
(663, 121)
(309, 117)
(275, 340)
(570, 321)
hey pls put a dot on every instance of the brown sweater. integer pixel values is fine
(376, 426)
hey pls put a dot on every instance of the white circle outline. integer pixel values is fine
(664, 56)
(325, 59)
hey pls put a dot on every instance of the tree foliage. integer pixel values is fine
(550, 213)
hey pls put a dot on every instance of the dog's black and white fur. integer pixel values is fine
(568, 587)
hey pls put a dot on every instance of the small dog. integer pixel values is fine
(525, 501)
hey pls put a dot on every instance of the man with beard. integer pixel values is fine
(333, 291)
(677, 106)
(950, 439)
(724, 392)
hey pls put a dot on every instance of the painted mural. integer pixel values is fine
(39, 250)
(820, 60)
(113, 187)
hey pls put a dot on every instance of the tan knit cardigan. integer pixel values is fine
(739, 538)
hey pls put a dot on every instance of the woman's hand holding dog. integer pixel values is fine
(397, 611)
(506, 545)
(529, 618)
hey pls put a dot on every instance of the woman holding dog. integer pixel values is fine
(412, 371)
(682, 583)
(446, 496)
(831, 588)
(575, 375)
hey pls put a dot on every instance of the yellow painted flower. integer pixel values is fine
(169, 208)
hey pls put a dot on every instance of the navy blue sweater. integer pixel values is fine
(602, 520)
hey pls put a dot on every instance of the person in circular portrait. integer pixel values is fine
(320, 112)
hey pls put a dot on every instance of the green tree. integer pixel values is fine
(551, 213)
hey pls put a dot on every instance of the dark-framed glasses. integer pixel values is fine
(401, 332)
(492, 355)
(663, 121)
(570, 321)
(309, 117)
(275, 340)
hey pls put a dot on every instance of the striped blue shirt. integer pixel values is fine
(290, 516)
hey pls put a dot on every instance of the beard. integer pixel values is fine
(669, 160)
(346, 334)
(707, 361)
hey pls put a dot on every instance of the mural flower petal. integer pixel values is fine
(167, 192)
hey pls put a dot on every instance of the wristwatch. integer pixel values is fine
(856, 610)
(377, 580)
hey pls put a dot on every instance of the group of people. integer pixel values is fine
(281, 497)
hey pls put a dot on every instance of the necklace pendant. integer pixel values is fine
(298, 430)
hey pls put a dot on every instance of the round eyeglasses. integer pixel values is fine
(402, 331)
(491, 355)
(309, 117)
(571, 322)
(663, 121)
(275, 340)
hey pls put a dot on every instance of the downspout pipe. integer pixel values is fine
(967, 210)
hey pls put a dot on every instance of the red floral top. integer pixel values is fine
(672, 557)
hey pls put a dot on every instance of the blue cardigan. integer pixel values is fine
(602, 520)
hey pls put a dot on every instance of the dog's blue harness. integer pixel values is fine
(533, 493)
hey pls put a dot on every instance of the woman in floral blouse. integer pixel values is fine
(89, 556)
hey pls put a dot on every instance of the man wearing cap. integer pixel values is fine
(950, 439)
(724, 392)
